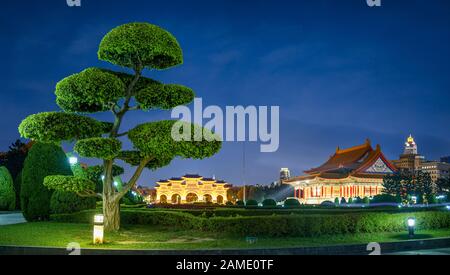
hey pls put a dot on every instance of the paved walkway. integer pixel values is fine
(11, 218)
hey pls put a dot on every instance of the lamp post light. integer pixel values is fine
(98, 229)
(411, 226)
(73, 160)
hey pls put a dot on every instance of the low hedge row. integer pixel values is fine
(277, 225)
(231, 212)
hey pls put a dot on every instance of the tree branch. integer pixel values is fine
(133, 179)
(134, 108)
(89, 194)
(122, 134)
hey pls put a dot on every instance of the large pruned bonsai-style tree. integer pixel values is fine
(136, 46)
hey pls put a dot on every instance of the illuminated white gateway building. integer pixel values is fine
(192, 189)
(353, 172)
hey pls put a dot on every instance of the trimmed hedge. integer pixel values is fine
(68, 202)
(277, 225)
(7, 194)
(44, 159)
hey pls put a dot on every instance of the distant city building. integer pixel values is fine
(436, 169)
(354, 172)
(191, 189)
(285, 174)
(445, 159)
(410, 160)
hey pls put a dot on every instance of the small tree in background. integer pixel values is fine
(44, 159)
(443, 185)
(336, 201)
(424, 187)
(7, 194)
(136, 46)
(366, 200)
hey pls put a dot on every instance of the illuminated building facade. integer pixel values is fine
(191, 189)
(349, 173)
(410, 160)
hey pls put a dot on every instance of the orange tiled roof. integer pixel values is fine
(349, 158)
(351, 161)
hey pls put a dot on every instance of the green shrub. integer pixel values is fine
(350, 200)
(336, 201)
(240, 203)
(17, 186)
(251, 203)
(42, 160)
(269, 203)
(343, 201)
(7, 194)
(66, 202)
(275, 225)
(229, 203)
(386, 198)
(327, 204)
(291, 203)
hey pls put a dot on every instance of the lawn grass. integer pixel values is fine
(54, 234)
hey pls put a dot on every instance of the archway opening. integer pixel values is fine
(176, 199)
(219, 199)
(191, 198)
(163, 199)
(207, 198)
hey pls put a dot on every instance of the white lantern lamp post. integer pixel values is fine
(411, 226)
(98, 229)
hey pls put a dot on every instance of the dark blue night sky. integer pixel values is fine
(340, 71)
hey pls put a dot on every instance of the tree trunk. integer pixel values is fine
(111, 213)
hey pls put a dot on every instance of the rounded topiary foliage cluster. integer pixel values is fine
(66, 202)
(7, 194)
(251, 203)
(269, 203)
(291, 203)
(43, 160)
(104, 148)
(140, 43)
(89, 91)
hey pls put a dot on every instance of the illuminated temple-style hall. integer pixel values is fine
(353, 172)
(191, 189)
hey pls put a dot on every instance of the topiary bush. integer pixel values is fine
(63, 202)
(7, 194)
(366, 200)
(269, 203)
(291, 203)
(240, 203)
(252, 203)
(386, 198)
(17, 187)
(336, 201)
(44, 159)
